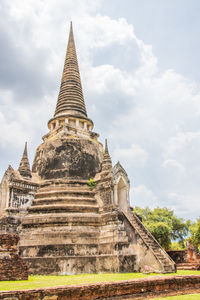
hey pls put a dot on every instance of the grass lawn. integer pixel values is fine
(181, 297)
(38, 281)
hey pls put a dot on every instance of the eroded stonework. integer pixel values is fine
(12, 266)
(16, 195)
(69, 226)
(67, 156)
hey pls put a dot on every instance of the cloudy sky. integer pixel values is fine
(139, 63)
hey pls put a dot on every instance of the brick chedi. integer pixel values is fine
(72, 227)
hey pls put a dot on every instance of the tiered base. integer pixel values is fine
(65, 233)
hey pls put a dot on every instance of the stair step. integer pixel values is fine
(71, 192)
(65, 200)
(63, 187)
(63, 208)
(35, 220)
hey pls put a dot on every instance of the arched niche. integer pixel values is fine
(4, 194)
(122, 193)
(121, 187)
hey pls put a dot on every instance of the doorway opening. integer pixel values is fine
(122, 194)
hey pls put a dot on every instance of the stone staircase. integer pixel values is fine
(168, 265)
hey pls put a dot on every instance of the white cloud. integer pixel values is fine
(142, 196)
(107, 78)
(135, 155)
(184, 141)
(185, 148)
(148, 61)
(174, 173)
(173, 166)
(184, 204)
(101, 31)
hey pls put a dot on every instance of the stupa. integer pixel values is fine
(78, 219)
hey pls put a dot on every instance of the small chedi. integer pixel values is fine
(72, 210)
(12, 266)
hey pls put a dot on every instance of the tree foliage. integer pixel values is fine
(163, 225)
(195, 232)
(177, 246)
(161, 232)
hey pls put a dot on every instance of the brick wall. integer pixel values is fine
(154, 285)
(12, 266)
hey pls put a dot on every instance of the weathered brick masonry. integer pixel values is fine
(12, 266)
(138, 287)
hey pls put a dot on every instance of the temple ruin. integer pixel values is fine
(66, 225)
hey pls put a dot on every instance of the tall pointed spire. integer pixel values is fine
(70, 99)
(107, 162)
(24, 167)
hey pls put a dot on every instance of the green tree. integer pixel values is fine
(177, 246)
(195, 232)
(163, 225)
(161, 232)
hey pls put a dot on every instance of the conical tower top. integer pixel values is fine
(70, 98)
(106, 155)
(106, 147)
(24, 167)
(107, 162)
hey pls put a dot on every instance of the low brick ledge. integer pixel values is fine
(145, 287)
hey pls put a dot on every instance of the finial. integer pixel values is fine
(71, 29)
(25, 149)
(106, 146)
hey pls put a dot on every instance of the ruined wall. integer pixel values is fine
(144, 288)
(9, 223)
(190, 255)
(12, 267)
